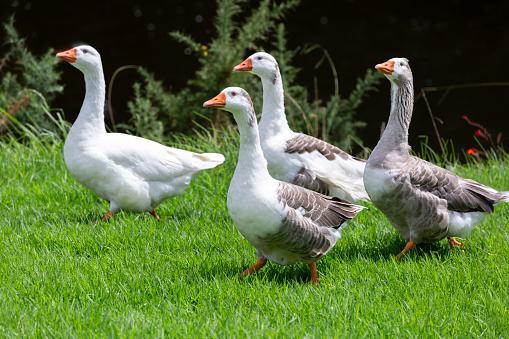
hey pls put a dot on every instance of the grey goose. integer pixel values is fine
(424, 202)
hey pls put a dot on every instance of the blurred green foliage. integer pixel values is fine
(238, 34)
(28, 85)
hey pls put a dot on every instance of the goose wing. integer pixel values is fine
(312, 223)
(329, 165)
(152, 161)
(303, 143)
(322, 210)
(307, 178)
(462, 195)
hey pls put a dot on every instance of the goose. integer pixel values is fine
(286, 223)
(296, 157)
(129, 172)
(424, 202)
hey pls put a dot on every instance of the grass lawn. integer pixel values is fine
(62, 275)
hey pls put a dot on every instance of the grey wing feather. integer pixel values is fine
(307, 229)
(304, 143)
(309, 243)
(462, 195)
(321, 209)
(307, 178)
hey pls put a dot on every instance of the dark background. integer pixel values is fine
(447, 42)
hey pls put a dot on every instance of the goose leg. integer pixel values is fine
(108, 215)
(154, 214)
(454, 243)
(409, 246)
(314, 273)
(259, 264)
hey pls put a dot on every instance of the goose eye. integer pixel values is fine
(401, 64)
(259, 58)
(233, 94)
(85, 51)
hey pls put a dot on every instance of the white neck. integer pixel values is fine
(395, 136)
(90, 121)
(273, 120)
(252, 166)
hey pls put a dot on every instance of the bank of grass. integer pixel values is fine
(62, 275)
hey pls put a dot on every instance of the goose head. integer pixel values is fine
(262, 64)
(236, 101)
(85, 58)
(397, 70)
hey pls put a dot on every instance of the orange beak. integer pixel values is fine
(69, 56)
(386, 67)
(219, 101)
(245, 65)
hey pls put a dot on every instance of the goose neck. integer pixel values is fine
(402, 102)
(251, 162)
(273, 118)
(90, 121)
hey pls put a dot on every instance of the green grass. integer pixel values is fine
(62, 275)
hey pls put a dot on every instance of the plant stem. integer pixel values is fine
(110, 87)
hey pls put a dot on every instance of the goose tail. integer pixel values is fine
(503, 197)
(209, 160)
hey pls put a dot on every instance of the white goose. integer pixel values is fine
(296, 157)
(424, 202)
(131, 173)
(286, 223)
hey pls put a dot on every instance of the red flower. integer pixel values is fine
(471, 151)
(478, 133)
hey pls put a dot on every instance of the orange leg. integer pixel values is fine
(108, 215)
(454, 243)
(154, 214)
(409, 246)
(259, 264)
(314, 273)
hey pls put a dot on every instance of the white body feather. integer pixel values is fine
(131, 173)
(284, 222)
(344, 174)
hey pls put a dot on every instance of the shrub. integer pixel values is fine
(29, 83)
(233, 42)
